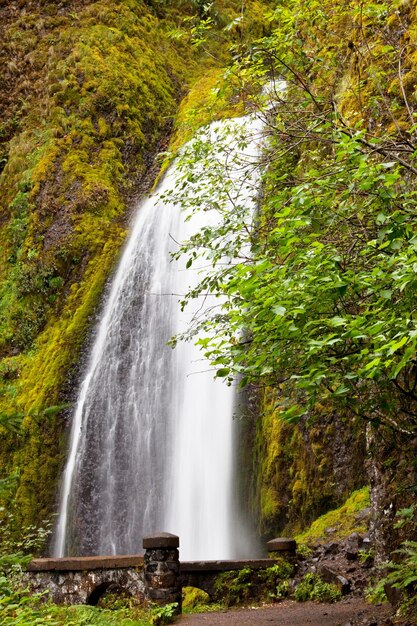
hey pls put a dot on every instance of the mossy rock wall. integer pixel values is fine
(302, 471)
(91, 89)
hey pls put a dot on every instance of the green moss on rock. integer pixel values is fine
(342, 521)
(303, 470)
(192, 598)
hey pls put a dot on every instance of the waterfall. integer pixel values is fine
(152, 439)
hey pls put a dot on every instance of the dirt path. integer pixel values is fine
(295, 614)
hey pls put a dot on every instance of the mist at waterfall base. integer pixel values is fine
(153, 440)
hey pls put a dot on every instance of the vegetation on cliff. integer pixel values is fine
(90, 98)
(329, 286)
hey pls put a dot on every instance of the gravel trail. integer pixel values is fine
(348, 612)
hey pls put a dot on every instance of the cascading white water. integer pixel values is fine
(200, 507)
(151, 445)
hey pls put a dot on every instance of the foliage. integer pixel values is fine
(343, 520)
(304, 550)
(13, 422)
(401, 570)
(319, 292)
(400, 573)
(27, 610)
(312, 587)
(222, 29)
(246, 585)
(93, 616)
(161, 615)
(406, 519)
(375, 592)
(366, 557)
(234, 588)
(17, 606)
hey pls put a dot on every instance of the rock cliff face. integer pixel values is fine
(294, 473)
(392, 475)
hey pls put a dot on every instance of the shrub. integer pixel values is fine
(246, 585)
(312, 587)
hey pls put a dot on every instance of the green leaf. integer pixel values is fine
(279, 310)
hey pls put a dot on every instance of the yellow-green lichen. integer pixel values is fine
(210, 98)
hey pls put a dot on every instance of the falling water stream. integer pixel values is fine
(152, 440)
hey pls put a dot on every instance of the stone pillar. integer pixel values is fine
(281, 546)
(162, 569)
